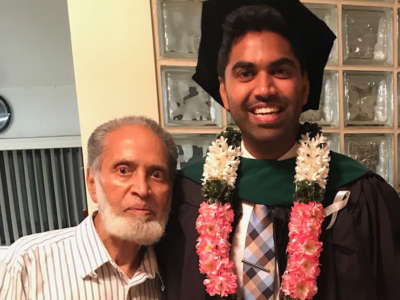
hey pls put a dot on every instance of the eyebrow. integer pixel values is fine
(123, 162)
(133, 163)
(274, 64)
(282, 61)
(158, 167)
(243, 64)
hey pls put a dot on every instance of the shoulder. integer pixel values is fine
(373, 208)
(344, 170)
(365, 185)
(373, 201)
(373, 186)
(27, 246)
(194, 170)
(374, 190)
(187, 187)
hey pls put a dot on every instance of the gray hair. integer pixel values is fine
(96, 140)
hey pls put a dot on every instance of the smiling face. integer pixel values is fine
(265, 90)
(133, 186)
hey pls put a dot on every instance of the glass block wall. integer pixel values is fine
(359, 108)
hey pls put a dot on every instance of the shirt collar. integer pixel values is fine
(291, 153)
(89, 248)
(148, 268)
(92, 254)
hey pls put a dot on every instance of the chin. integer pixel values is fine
(134, 229)
(266, 136)
(140, 229)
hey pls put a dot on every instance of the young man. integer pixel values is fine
(131, 167)
(270, 67)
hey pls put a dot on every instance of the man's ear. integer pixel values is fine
(222, 92)
(91, 184)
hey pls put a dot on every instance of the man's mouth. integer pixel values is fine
(139, 210)
(266, 110)
(266, 114)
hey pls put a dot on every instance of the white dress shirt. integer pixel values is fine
(239, 237)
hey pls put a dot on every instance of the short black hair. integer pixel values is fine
(310, 38)
(252, 18)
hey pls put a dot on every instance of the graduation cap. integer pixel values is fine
(309, 34)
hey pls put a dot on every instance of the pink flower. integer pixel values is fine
(214, 225)
(208, 262)
(299, 279)
(207, 209)
(223, 247)
(223, 281)
(225, 213)
(312, 247)
(205, 244)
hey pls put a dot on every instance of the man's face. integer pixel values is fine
(264, 88)
(133, 187)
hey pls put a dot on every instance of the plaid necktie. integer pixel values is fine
(259, 257)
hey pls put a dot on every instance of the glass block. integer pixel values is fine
(328, 112)
(328, 14)
(191, 147)
(333, 141)
(398, 40)
(368, 98)
(398, 96)
(179, 27)
(367, 35)
(185, 102)
(372, 150)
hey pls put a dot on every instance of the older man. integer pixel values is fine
(131, 165)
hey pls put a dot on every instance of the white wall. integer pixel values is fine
(113, 50)
(36, 68)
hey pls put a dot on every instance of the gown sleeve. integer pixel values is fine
(378, 220)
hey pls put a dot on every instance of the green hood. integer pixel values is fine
(272, 181)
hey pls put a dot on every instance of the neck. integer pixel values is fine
(126, 254)
(268, 150)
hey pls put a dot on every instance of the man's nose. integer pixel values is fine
(140, 185)
(265, 86)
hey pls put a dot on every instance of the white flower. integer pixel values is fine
(312, 160)
(222, 162)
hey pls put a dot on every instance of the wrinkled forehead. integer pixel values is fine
(135, 142)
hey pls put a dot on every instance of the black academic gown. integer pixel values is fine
(360, 257)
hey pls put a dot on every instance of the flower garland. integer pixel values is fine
(312, 167)
(214, 223)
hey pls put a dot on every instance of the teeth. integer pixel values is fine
(266, 110)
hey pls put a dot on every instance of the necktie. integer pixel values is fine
(259, 257)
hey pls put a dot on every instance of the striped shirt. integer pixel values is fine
(71, 264)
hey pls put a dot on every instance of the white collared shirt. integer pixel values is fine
(71, 264)
(239, 237)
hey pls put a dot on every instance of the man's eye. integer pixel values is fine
(282, 73)
(157, 174)
(245, 75)
(123, 170)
